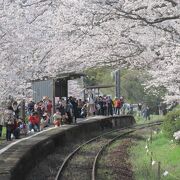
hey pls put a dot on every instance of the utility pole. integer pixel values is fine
(117, 83)
(23, 110)
(53, 91)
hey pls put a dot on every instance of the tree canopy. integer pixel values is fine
(43, 37)
(132, 86)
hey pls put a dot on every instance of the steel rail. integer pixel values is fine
(70, 156)
(101, 151)
(94, 169)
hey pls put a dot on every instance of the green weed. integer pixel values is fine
(163, 150)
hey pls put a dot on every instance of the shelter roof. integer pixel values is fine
(70, 75)
(67, 76)
(99, 86)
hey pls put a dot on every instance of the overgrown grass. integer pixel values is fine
(141, 120)
(3, 134)
(163, 151)
(177, 107)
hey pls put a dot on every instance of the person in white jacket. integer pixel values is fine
(9, 122)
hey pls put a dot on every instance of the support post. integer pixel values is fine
(151, 137)
(23, 109)
(53, 95)
(159, 170)
(117, 82)
(151, 159)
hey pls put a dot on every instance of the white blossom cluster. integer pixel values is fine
(176, 135)
(40, 38)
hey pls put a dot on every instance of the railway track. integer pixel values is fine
(82, 162)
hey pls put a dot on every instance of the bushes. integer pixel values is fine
(171, 123)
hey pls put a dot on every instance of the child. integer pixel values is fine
(65, 118)
(57, 118)
(44, 121)
(23, 127)
(34, 122)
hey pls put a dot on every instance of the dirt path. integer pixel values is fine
(120, 165)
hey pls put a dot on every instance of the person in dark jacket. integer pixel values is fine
(69, 109)
(31, 106)
(15, 109)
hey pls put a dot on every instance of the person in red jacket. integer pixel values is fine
(34, 122)
(49, 107)
(117, 105)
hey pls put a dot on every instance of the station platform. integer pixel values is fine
(17, 156)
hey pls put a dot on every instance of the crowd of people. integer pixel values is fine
(66, 112)
(11, 120)
(38, 116)
(42, 114)
(104, 105)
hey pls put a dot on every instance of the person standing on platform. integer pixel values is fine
(9, 122)
(118, 106)
(75, 110)
(110, 106)
(49, 107)
(68, 110)
(15, 109)
(90, 104)
(31, 106)
(80, 105)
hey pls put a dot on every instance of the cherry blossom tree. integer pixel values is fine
(40, 38)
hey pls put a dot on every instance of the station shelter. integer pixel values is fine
(53, 87)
